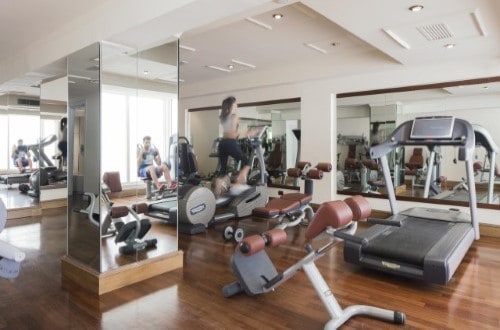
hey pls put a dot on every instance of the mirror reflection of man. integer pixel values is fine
(21, 156)
(149, 165)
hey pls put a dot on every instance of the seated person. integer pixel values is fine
(150, 165)
(21, 156)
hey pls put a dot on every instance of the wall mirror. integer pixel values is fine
(367, 118)
(83, 156)
(117, 95)
(31, 108)
(20, 135)
(281, 143)
(138, 99)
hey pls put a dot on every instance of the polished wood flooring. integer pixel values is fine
(191, 298)
(14, 199)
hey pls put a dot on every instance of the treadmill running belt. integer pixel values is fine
(409, 243)
(463, 196)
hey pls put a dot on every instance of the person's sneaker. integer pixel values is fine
(238, 188)
(161, 186)
(221, 186)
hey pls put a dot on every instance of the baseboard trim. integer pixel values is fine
(100, 283)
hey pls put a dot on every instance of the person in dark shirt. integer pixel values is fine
(21, 156)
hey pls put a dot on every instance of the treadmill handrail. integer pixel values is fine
(462, 135)
(484, 139)
(462, 132)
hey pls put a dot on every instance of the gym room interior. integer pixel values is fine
(373, 194)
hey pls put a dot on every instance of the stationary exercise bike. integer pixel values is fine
(256, 273)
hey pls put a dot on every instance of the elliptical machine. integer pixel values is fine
(195, 208)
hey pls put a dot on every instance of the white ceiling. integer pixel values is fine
(359, 29)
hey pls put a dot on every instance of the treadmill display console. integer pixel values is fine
(432, 128)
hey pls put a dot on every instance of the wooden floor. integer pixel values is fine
(191, 298)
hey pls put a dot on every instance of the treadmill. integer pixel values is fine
(420, 243)
(483, 139)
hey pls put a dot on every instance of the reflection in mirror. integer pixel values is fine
(436, 175)
(139, 99)
(53, 121)
(20, 135)
(83, 156)
(281, 142)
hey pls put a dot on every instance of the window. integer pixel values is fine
(127, 115)
(25, 127)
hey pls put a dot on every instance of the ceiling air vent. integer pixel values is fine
(435, 31)
(28, 102)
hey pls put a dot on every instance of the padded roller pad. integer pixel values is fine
(275, 237)
(294, 172)
(119, 211)
(325, 167)
(315, 174)
(303, 164)
(251, 245)
(140, 208)
(477, 166)
(336, 214)
(112, 180)
(303, 199)
(360, 207)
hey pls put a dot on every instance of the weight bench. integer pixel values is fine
(294, 207)
(256, 274)
(131, 232)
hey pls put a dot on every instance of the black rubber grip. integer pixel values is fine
(351, 238)
(274, 280)
(384, 222)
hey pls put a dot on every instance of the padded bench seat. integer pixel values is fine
(299, 197)
(276, 206)
(279, 206)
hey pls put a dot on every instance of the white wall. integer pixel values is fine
(203, 126)
(319, 113)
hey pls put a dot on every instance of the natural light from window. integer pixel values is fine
(127, 115)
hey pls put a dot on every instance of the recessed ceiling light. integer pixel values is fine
(277, 16)
(230, 67)
(485, 87)
(145, 72)
(449, 46)
(416, 8)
